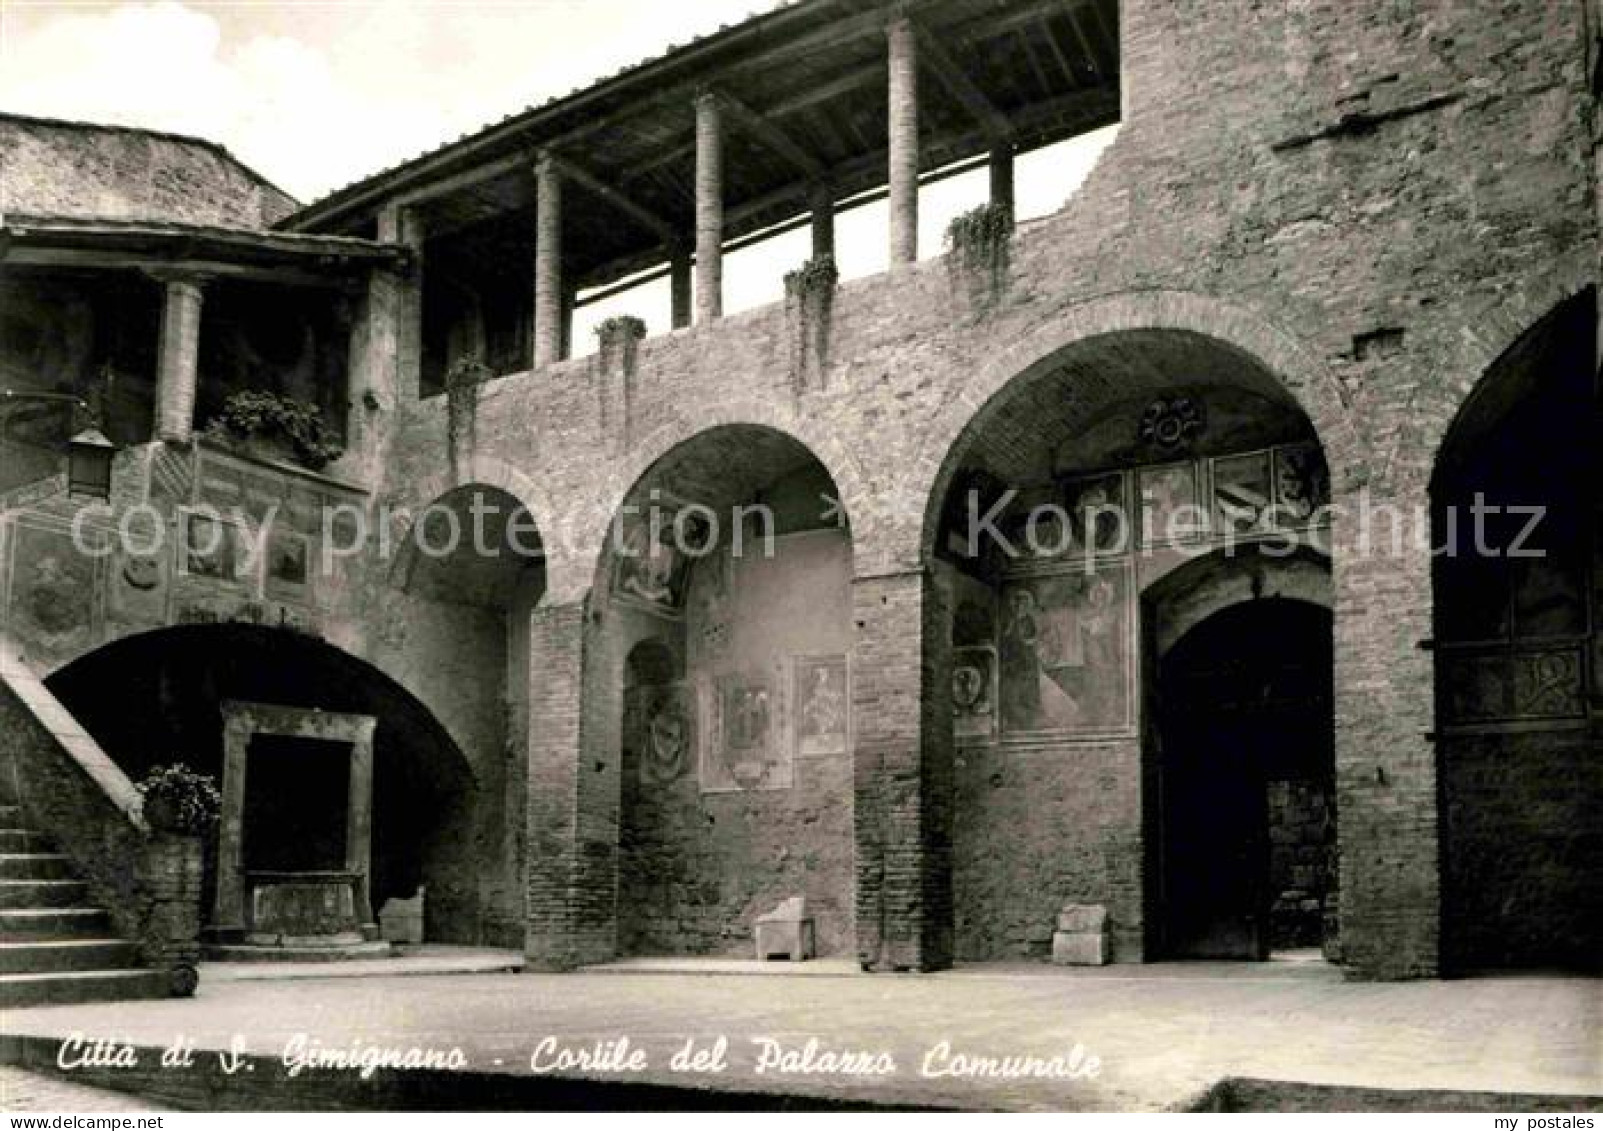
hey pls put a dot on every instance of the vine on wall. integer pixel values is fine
(809, 305)
(463, 382)
(979, 252)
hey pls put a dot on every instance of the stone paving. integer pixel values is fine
(35, 1091)
(1163, 1033)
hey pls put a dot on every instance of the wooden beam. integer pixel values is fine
(467, 179)
(79, 258)
(776, 139)
(961, 87)
(637, 212)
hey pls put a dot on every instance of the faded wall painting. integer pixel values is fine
(745, 745)
(823, 704)
(1170, 510)
(214, 548)
(974, 692)
(1066, 654)
(657, 727)
(648, 570)
(1242, 493)
(53, 587)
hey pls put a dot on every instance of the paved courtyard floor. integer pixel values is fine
(1162, 1033)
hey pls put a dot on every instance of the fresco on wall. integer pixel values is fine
(1170, 508)
(288, 565)
(974, 692)
(657, 727)
(1098, 513)
(214, 548)
(648, 571)
(744, 747)
(1066, 655)
(1242, 493)
(139, 587)
(1302, 482)
(823, 705)
(53, 588)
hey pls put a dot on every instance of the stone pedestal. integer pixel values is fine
(786, 932)
(1082, 936)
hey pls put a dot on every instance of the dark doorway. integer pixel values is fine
(297, 793)
(1245, 813)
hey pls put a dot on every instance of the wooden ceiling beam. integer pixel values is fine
(964, 89)
(764, 130)
(624, 203)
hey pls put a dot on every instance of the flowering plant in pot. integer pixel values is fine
(277, 427)
(179, 800)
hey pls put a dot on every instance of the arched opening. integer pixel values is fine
(160, 697)
(726, 630)
(1101, 469)
(1241, 805)
(1516, 520)
(471, 569)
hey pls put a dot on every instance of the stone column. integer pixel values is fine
(176, 375)
(370, 374)
(228, 895)
(679, 286)
(822, 203)
(902, 109)
(561, 930)
(709, 209)
(902, 771)
(570, 301)
(359, 826)
(547, 263)
(1002, 177)
(405, 226)
(1386, 795)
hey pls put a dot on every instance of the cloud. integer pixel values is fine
(315, 96)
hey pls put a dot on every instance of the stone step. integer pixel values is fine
(35, 866)
(24, 894)
(23, 840)
(73, 986)
(23, 924)
(44, 956)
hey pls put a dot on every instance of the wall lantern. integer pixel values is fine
(89, 456)
(89, 453)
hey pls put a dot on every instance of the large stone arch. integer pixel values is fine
(488, 471)
(856, 489)
(1485, 335)
(1305, 379)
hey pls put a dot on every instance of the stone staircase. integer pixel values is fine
(55, 947)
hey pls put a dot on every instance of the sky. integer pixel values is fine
(314, 95)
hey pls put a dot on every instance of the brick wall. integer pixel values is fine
(106, 172)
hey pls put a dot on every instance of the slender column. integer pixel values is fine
(547, 263)
(1002, 177)
(359, 827)
(679, 286)
(405, 371)
(176, 374)
(823, 208)
(903, 124)
(570, 299)
(228, 896)
(709, 209)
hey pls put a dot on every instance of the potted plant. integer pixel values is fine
(179, 800)
(273, 426)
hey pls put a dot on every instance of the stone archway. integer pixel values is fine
(1239, 799)
(158, 697)
(1517, 654)
(1100, 466)
(720, 611)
